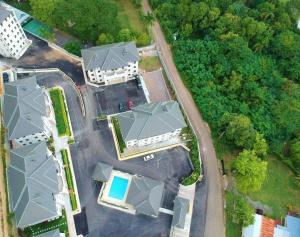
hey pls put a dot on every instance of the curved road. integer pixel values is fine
(214, 219)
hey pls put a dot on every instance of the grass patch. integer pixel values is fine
(70, 183)
(279, 191)
(150, 63)
(130, 16)
(61, 222)
(61, 117)
(232, 229)
(121, 142)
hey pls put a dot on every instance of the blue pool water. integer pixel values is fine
(118, 188)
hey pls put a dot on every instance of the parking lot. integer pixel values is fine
(109, 97)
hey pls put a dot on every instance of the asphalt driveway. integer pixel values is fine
(109, 97)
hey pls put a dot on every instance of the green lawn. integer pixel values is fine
(129, 16)
(61, 222)
(279, 190)
(61, 117)
(70, 183)
(232, 229)
(150, 63)
(121, 142)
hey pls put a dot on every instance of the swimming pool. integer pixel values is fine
(118, 188)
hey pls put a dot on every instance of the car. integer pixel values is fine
(130, 104)
(5, 77)
(122, 107)
(138, 82)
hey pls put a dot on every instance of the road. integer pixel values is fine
(214, 221)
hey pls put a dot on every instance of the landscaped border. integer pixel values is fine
(69, 178)
(116, 127)
(60, 111)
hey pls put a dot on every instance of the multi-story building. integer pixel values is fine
(28, 112)
(34, 185)
(110, 64)
(13, 41)
(151, 123)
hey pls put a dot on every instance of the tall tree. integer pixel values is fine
(250, 172)
(44, 9)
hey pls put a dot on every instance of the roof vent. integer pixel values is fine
(24, 88)
(28, 117)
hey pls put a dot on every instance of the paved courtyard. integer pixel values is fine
(156, 86)
(109, 97)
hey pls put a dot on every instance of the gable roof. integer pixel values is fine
(181, 208)
(32, 181)
(24, 106)
(110, 56)
(4, 13)
(151, 120)
(102, 172)
(267, 227)
(53, 233)
(293, 225)
(145, 194)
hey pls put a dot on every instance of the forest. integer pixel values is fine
(241, 61)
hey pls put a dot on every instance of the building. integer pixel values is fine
(145, 195)
(151, 123)
(110, 64)
(266, 227)
(13, 41)
(28, 112)
(52, 233)
(181, 208)
(33, 185)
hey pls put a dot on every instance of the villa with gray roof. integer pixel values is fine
(28, 112)
(33, 185)
(110, 64)
(145, 195)
(151, 123)
(13, 41)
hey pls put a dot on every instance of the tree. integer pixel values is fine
(260, 146)
(47, 34)
(240, 130)
(239, 210)
(250, 172)
(294, 153)
(73, 47)
(125, 35)
(44, 9)
(105, 39)
(143, 40)
(87, 19)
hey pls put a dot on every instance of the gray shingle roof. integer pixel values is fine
(181, 208)
(53, 233)
(151, 120)
(24, 106)
(4, 13)
(145, 194)
(32, 181)
(102, 172)
(111, 56)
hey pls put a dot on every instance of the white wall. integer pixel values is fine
(153, 140)
(113, 76)
(13, 41)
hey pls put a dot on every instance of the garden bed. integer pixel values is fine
(61, 116)
(69, 179)
(117, 129)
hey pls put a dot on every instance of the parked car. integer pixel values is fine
(5, 77)
(138, 82)
(130, 104)
(122, 107)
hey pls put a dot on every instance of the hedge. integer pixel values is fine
(121, 142)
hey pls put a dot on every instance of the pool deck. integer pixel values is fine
(106, 200)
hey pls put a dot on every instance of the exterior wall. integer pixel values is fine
(13, 41)
(153, 140)
(112, 76)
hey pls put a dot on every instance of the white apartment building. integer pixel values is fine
(13, 41)
(110, 64)
(28, 112)
(151, 123)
